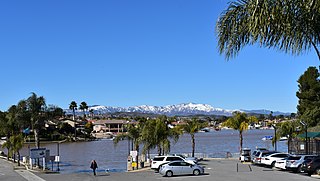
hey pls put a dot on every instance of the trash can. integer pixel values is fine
(141, 164)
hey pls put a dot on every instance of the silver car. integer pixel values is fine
(294, 162)
(180, 168)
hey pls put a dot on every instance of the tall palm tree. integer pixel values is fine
(192, 127)
(292, 26)
(83, 106)
(73, 106)
(134, 134)
(240, 122)
(36, 108)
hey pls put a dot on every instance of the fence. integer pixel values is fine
(301, 147)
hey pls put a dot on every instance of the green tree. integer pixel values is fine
(240, 122)
(83, 106)
(16, 141)
(36, 106)
(287, 129)
(309, 96)
(192, 127)
(292, 26)
(133, 133)
(73, 106)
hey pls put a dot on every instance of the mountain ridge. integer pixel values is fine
(183, 109)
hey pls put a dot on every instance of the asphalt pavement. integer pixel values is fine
(216, 169)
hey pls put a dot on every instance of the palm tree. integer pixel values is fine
(192, 127)
(240, 122)
(83, 106)
(91, 111)
(16, 144)
(287, 129)
(292, 26)
(36, 108)
(73, 106)
(134, 134)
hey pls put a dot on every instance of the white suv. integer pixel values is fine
(160, 160)
(271, 159)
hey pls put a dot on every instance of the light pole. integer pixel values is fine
(275, 137)
(306, 131)
(58, 155)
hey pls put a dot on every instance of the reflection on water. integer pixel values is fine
(76, 157)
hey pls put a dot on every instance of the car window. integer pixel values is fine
(174, 164)
(294, 157)
(308, 157)
(280, 155)
(169, 158)
(184, 164)
(158, 159)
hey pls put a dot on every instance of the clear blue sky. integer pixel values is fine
(128, 53)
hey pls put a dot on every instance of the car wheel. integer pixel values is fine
(169, 173)
(299, 169)
(318, 171)
(196, 172)
(272, 164)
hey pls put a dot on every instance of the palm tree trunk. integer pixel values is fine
(159, 149)
(18, 158)
(36, 138)
(73, 114)
(193, 144)
(14, 157)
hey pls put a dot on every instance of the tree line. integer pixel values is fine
(156, 134)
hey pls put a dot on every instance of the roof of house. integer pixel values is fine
(110, 122)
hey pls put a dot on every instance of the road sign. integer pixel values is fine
(36, 153)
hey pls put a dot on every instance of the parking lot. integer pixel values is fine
(215, 169)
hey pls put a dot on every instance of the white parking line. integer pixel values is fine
(182, 177)
(28, 175)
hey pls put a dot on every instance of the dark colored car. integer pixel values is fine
(311, 166)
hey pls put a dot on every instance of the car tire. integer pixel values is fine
(318, 171)
(272, 164)
(196, 172)
(169, 173)
(298, 169)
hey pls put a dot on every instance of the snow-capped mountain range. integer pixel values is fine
(171, 110)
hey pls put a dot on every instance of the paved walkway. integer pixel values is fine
(8, 171)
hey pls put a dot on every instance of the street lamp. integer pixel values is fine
(306, 130)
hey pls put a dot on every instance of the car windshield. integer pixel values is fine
(158, 159)
(294, 157)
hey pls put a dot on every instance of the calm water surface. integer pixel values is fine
(76, 157)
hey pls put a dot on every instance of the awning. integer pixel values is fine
(310, 135)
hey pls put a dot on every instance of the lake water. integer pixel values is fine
(76, 156)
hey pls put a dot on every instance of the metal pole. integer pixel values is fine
(58, 169)
(275, 138)
(307, 148)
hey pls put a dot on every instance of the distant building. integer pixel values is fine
(112, 126)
